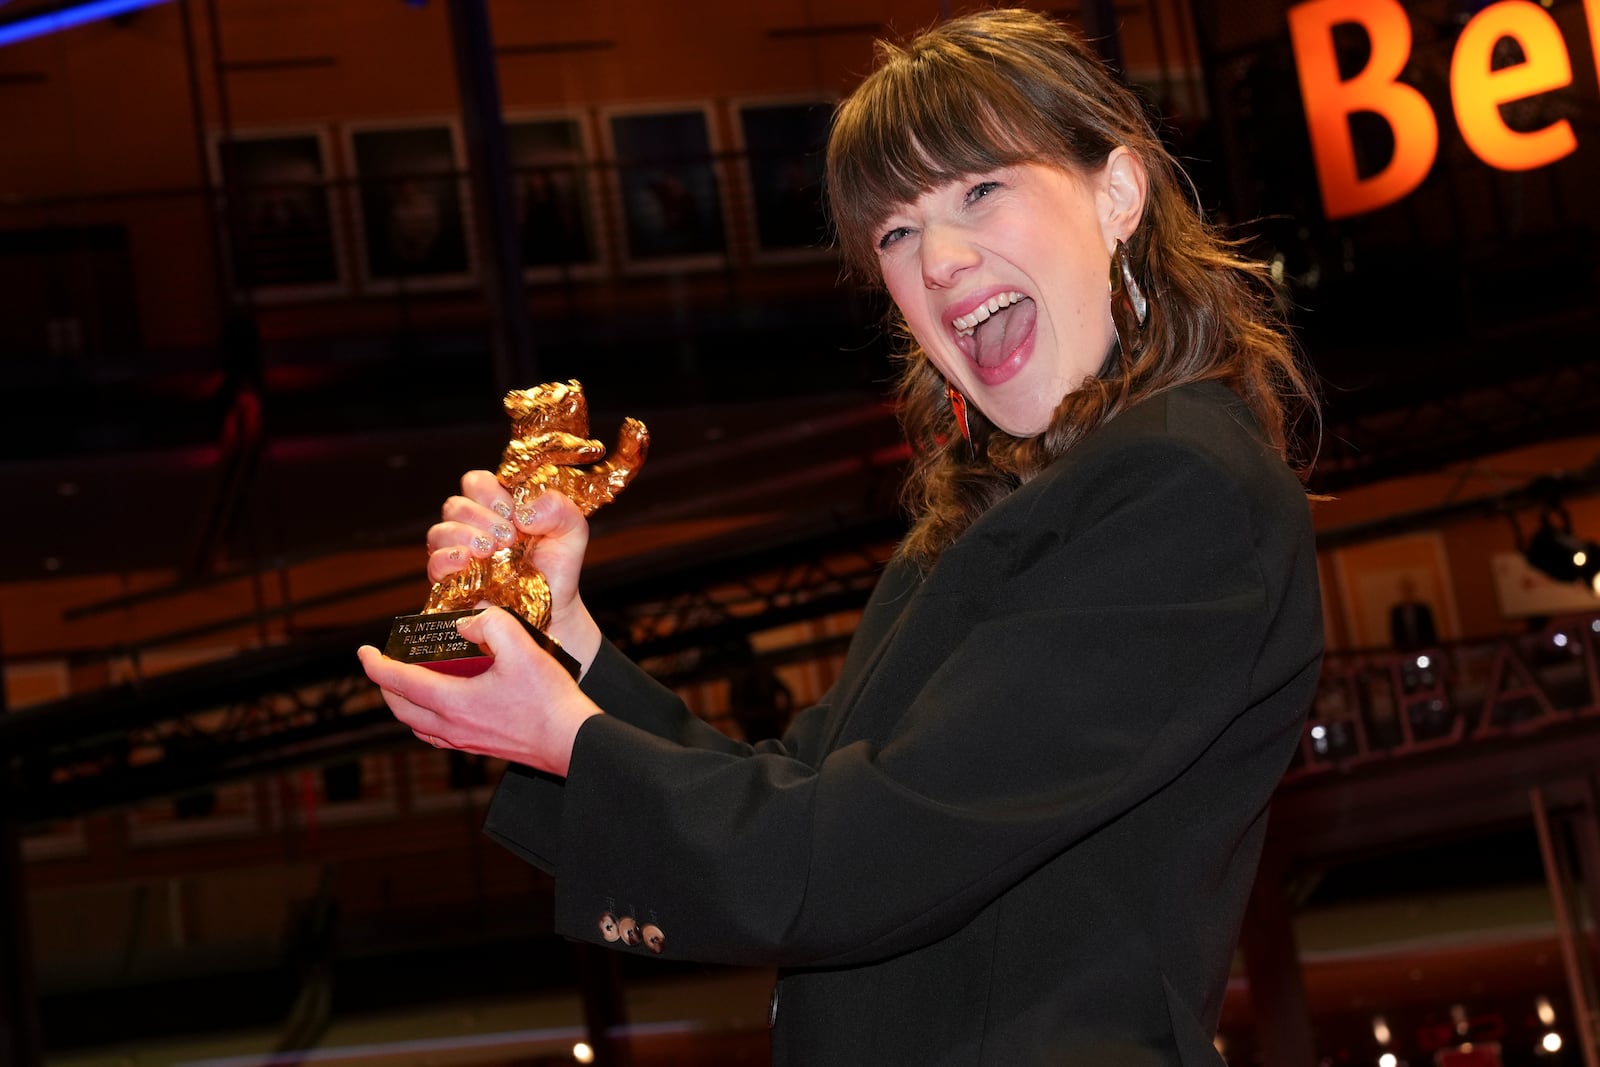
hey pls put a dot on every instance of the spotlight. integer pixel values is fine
(1554, 551)
(1551, 1042)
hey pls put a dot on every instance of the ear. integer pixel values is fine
(1120, 195)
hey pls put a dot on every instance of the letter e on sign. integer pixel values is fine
(1479, 91)
(1330, 101)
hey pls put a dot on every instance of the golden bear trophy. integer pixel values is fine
(550, 450)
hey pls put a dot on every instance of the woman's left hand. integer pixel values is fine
(524, 708)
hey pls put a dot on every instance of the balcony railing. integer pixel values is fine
(1385, 704)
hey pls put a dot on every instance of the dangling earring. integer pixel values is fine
(1129, 308)
(958, 404)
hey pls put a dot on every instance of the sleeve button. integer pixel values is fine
(654, 939)
(608, 926)
(629, 930)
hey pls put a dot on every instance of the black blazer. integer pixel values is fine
(1022, 826)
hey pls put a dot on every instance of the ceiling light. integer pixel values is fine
(1555, 551)
(64, 18)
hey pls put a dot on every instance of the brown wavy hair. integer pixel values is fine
(997, 89)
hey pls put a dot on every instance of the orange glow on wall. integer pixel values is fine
(1591, 12)
(1478, 91)
(1477, 94)
(1330, 102)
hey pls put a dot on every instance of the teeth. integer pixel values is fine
(966, 324)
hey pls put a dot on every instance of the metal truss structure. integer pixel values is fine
(1487, 406)
(688, 615)
(306, 703)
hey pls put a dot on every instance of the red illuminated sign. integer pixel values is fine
(1476, 94)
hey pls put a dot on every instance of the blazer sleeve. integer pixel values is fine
(1120, 637)
(526, 808)
(525, 812)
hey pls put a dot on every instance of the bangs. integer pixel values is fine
(918, 123)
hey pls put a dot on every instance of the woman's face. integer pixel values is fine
(1002, 278)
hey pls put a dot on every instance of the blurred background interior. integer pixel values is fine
(266, 267)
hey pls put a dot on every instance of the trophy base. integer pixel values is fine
(431, 640)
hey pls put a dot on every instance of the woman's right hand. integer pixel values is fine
(482, 520)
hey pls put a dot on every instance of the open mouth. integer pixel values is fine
(992, 331)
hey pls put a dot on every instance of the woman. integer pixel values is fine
(1022, 826)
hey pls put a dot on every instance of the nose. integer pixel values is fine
(946, 252)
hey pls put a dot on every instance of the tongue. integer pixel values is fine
(1002, 332)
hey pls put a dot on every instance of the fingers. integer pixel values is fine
(452, 544)
(559, 536)
(552, 515)
(488, 520)
(408, 689)
(472, 527)
(407, 681)
(443, 562)
(523, 708)
(485, 518)
(496, 629)
(485, 489)
(484, 510)
(499, 633)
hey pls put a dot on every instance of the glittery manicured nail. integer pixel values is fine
(501, 531)
(455, 555)
(482, 543)
(525, 517)
(502, 509)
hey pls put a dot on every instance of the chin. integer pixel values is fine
(1020, 427)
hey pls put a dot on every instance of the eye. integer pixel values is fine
(981, 190)
(891, 236)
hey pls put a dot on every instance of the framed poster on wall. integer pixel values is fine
(278, 216)
(783, 145)
(1397, 592)
(556, 195)
(668, 188)
(413, 227)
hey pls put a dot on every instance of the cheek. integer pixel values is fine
(913, 308)
(1090, 305)
(949, 373)
(898, 284)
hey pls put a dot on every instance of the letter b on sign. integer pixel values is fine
(1330, 102)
